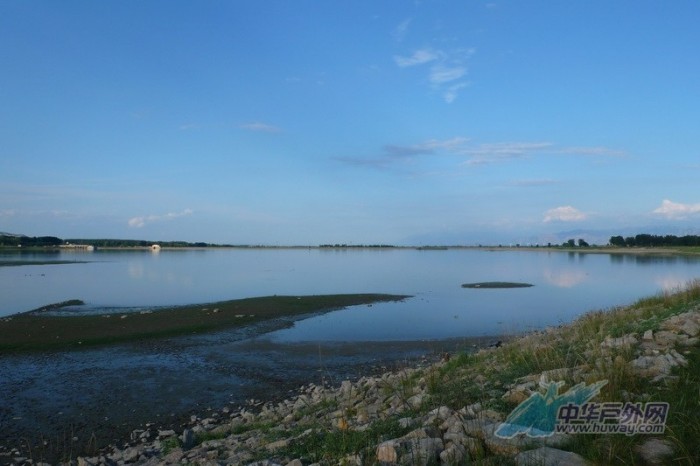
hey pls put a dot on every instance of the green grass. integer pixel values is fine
(32, 332)
(329, 446)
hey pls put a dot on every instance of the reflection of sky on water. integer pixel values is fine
(565, 278)
(566, 285)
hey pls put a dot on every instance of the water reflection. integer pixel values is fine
(671, 283)
(565, 278)
(566, 284)
(651, 259)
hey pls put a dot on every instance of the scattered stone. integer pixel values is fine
(625, 341)
(278, 445)
(455, 453)
(163, 434)
(441, 436)
(655, 451)
(546, 456)
(188, 439)
(386, 452)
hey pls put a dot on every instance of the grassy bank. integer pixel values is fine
(33, 331)
(578, 353)
(601, 345)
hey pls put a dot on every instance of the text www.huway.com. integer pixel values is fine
(596, 428)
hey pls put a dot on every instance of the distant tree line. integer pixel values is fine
(337, 245)
(134, 243)
(52, 241)
(29, 241)
(571, 243)
(645, 240)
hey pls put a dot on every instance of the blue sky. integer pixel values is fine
(308, 122)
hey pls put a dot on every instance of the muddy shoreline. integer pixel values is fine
(76, 402)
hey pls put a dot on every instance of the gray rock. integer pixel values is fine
(421, 451)
(415, 401)
(655, 451)
(546, 456)
(188, 439)
(346, 389)
(165, 434)
(277, 445)
(455, 453)
(410, 451)
(386, 452)
(174, 456)
(351, 460)
(406, 422)
(443, 412)
(624, 341)
(690, 328)
(130, 455)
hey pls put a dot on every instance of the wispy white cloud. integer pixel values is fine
(393, 153)
(8, 213)
(262, 127)
(141, 221)
(564, 214)
(676, 210)
(593, 151)
(406, 151)
(401, 30)
(529, 183)
(488, 153)
(496, 152)
(476, 154)
(432, 145)
(447, 70)
(440, 74)
(450, 93)
(419, 57)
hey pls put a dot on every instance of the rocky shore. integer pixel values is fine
(447, 412)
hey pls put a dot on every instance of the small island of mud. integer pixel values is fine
(497, 285)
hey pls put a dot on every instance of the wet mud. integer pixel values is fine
(76, 402)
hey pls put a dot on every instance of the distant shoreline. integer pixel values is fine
(661, 250)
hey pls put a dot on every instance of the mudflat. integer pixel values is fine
(35, 330)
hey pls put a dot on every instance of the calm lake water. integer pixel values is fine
(99, 395)
(566, 284)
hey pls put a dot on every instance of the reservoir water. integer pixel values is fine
(99, 395)
(565, 285)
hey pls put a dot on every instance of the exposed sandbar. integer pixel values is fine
(497, 285)
(34, 331)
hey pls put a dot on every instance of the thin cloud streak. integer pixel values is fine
(141, 221)
(446, 71)
(475, 154)
(419, 57)
(394, 153)
(564, 214)
(532, 183)
(401, 30)
(261, 127)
